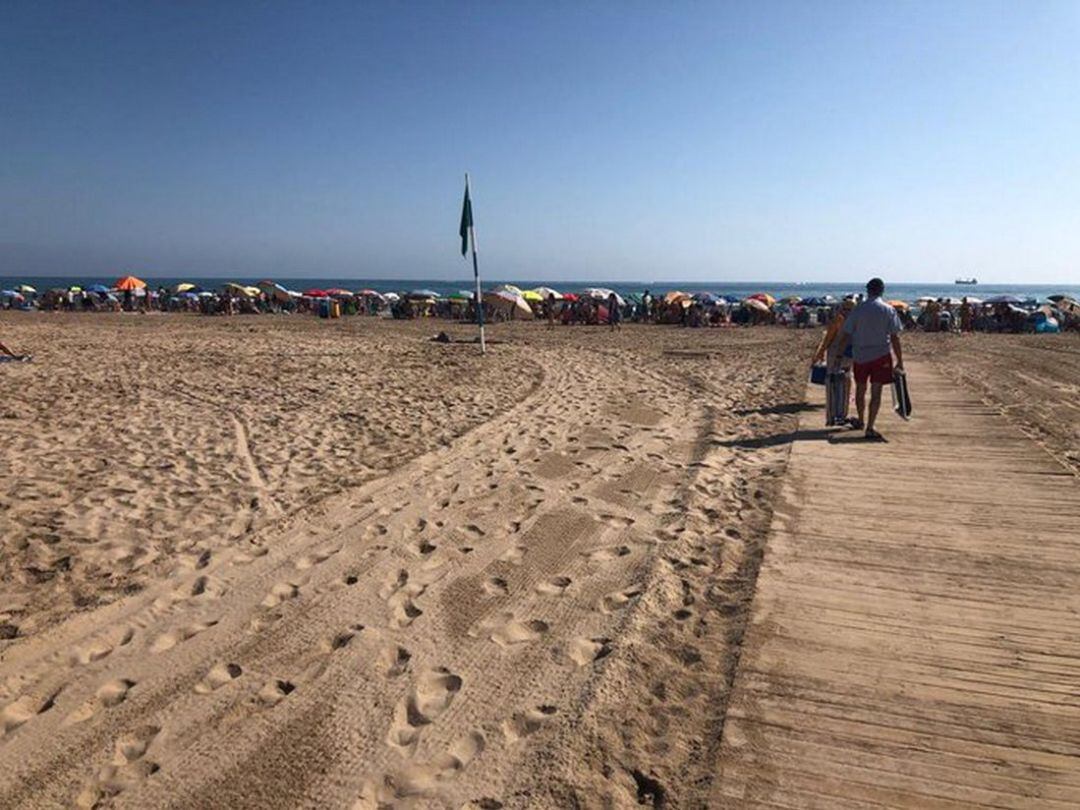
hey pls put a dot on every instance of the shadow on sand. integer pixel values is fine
(783, 408)
(792, 436)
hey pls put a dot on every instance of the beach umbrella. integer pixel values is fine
(705, 298)
(675, 295)
(97, 288)
(532, 295)
(75, 288)
(899, 305)
(545, 292)
(423, 294)
(371, 293)
(1004, 299)
(205, 294)
(569, 297)
(9, 293)
(765, 298)
(26, 289)
(129, 283)
(510, 288)
(392, 296)
(338, 291)
(756, 303)
(184, 286)
(507, 301)
(189, 294)
(315, 292)
(460, 296)
(603, 293)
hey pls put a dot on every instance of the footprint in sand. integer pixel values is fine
(128, 767)
(513, 555)
(101, 647)
(583, 651)
(608, 553)
(617, 600)
(496, 586)
(421, 779)
(281, 592)
(556, 586)
(219, 675)
(314, 558)
(275, 691)
(422, 705)
(249, 556)
(617, 521)
(169, 640)
(394, 660)
(339, 641)
(23, 709)
(111, 693)
(525, 724)
(506, 629)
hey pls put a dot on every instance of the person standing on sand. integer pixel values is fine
(873, 329)
(614, 314)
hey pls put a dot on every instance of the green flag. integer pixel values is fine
(466, 221)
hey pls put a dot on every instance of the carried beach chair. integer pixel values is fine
(837, 395)
(900, 397)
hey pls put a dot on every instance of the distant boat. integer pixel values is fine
(967, 281)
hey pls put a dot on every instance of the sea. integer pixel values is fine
(731, 289)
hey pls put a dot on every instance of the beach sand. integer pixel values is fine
(274, 562)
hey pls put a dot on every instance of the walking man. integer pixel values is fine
(873, 329)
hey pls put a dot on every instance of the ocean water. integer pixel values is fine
(734, 289)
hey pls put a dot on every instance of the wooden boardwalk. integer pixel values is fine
(915, 637)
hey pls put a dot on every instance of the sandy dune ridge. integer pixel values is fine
(544, 611)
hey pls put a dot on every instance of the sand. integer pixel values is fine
(273, 562)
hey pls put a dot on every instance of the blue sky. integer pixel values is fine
(623, 141)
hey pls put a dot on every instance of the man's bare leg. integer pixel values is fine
(860, 401)
(875, 405)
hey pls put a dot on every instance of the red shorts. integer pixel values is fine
(877, 371)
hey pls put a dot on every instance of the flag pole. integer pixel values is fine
(476, 272)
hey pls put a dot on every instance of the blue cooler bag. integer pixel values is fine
(818, 373)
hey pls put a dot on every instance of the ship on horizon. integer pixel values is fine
(971, 280)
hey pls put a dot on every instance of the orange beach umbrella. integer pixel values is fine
(129, 283)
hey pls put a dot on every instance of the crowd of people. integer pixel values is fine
(593, 306)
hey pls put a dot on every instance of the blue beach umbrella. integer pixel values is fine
(97, 288)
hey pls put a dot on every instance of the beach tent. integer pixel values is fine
(275, 291)
(129, 283)
(544, 292)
